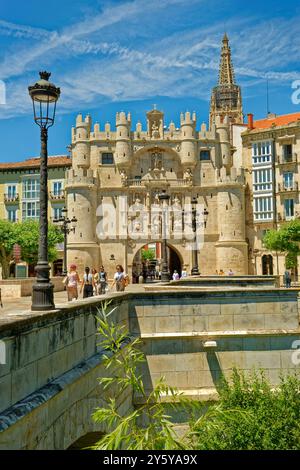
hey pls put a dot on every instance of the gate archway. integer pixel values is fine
(150, 266)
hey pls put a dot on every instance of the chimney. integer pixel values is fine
(250, 121)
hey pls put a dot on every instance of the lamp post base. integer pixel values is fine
(165, 276)
(195, 272)
(42, 297)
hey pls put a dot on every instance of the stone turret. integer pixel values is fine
(81, 144)
(223, 136)
(188, 140)
(123, 145)
(231, 248)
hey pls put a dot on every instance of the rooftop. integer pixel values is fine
(53, 161)
(272, 120)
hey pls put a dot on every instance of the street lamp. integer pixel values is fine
(44, 96)
(195, 268)
(64, 223)
(165, 273)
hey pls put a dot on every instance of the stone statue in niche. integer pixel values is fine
(123, 177)
(188, 176)
(156, 158)
(177, 215)
(155, 131)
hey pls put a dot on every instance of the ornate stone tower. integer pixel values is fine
(81, 194)
(226, 98)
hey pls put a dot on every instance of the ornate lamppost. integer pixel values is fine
(195, 268)
(165, 273)
(44, 96)
(64, 223)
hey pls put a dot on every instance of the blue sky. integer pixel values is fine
(115, 55)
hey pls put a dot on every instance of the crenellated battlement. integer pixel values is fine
(235, 176)
(80, 177)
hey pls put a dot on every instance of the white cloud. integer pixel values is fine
(178, 62)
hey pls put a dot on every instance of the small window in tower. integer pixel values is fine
(107, 158)
(204, 155)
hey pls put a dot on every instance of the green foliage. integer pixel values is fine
(148, 426)
(249, 415)
(25, 234)
(285, 240)
(252, 416)
(7, 240)
(147, 255)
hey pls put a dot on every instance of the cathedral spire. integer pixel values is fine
(226, 99)
(226, 73)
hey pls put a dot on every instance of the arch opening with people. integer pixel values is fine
(147, 262)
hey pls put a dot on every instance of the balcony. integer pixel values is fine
(57, 195)
(11, 198)
(287, 159)
(156, 181)
(284, 188)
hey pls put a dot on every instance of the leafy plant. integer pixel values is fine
(148, 426)
(250, 414)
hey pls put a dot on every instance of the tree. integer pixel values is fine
(147, 255)
(25, 234)
(28, 239)
(7, 240)
(285, 240)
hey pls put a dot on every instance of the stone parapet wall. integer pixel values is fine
(49, 387)
(16, 288)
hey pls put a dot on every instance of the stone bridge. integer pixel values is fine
(49, 382)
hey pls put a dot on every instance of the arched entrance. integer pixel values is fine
(147, 262)
(267, 265)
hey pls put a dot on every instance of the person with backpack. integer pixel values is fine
(102, 281)
(87, 284)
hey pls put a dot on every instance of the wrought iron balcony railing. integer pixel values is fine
(9, 198)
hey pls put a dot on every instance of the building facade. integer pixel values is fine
(20, 191)
(125, 169)
(271, 155)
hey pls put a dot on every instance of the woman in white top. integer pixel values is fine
(119, 279)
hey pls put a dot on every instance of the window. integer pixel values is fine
(262, 152)
(287, 150)
(107, 159)
(31, 189)
(11, 191)
(262, 179)
(263, 208)
(289, 208)
(205, 155)
(57, 212)
(12, 215)
(137, 177)
(30, 210)
(57, 188)
(288, 180)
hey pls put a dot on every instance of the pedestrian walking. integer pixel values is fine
(102, 281)
(71, 282)
(287, 279)
(87, 284)
(119, 279)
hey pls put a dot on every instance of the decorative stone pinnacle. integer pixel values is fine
(45, 75)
